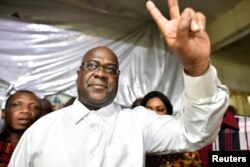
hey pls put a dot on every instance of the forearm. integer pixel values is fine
(206, 101)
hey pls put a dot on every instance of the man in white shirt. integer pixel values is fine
(95, 132)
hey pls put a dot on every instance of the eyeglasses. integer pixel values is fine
(95, 66)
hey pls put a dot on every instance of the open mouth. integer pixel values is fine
(24, 121)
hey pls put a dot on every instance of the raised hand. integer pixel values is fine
(185, 35)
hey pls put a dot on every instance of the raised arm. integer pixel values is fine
(185, 35)
(205, 98)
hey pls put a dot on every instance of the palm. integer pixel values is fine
(197, 46)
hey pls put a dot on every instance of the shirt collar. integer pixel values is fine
(80, 111)
(106, 113)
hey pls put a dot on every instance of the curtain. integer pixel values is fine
(42, 44)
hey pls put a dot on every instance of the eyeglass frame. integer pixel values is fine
(98, 66)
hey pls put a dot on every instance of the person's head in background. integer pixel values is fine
(136, 103)
(232, 109)
(46, 106)
(157, 102)
(21, 110)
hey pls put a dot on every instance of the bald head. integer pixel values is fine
(98, 52)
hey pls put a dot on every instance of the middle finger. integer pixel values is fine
(174, 10)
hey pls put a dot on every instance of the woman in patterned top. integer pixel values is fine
(160, 103)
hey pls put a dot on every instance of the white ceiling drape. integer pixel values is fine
(42, 50)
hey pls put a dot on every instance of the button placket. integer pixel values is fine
(95, 133)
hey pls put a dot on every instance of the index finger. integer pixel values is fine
(174, 10)
(155, 13)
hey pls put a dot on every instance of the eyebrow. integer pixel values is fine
(108, 63)
(19, 100)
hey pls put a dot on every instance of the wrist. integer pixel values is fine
(197, 69)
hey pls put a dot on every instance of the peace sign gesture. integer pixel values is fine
(185, 35)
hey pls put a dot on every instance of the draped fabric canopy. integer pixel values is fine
(42, 44)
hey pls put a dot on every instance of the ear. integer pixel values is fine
(3, 114)
(78, 71)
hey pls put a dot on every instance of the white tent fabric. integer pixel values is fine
(42, 51)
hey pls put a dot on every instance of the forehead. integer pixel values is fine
(154, 101)
(23, 96)
(101, 54)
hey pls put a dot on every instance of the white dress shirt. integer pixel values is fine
(115, 137)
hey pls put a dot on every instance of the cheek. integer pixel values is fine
(81, 81)
(35, 115)
(161, 113)
(11, 117)
(113, 84)
(111, 88)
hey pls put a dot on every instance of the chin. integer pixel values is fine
(101, 103)
(99, 99)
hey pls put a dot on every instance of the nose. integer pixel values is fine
(100, 73)
(25, 109)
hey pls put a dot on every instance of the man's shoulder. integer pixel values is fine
(139, 111)
(56, 114)
(51, 119)
(134, 110)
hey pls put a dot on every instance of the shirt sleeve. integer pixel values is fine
(205, 102)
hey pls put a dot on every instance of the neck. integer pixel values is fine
(92, 107)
